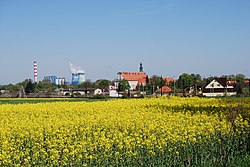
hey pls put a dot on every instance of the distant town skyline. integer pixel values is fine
(168, 37)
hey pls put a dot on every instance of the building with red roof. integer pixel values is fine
(165, 90)
(134, 78)
(168, 80)
(246, 81)
(219, 87)
(231, 82)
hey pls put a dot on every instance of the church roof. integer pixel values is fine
(134, 76)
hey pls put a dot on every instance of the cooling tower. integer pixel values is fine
(78, 78)
(81, 78)
(78, 74)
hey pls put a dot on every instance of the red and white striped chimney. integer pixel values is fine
(35, 71)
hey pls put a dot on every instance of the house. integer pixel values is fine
(218, 87)
(234, 82)
(98, 92)
(165, 90)
(134, 78)
(113, 91)
(231, 82)
(193, 89)
(168, 80)
(246, 82)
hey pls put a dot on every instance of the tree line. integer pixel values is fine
(152, 84)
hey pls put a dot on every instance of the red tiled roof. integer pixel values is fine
(135, 76)
(168, 80)
(246, 81)
(231, 82)
(234, 82)
(165, 89)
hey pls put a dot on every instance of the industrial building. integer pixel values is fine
(78, 78)
(78, 74)
(55, 80)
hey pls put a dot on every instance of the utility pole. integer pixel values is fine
(196, 89)
(249, 85)
(174, 85)
(182, 80)
(153, 88)
(22, 91)
(143, 89)
(161, 85)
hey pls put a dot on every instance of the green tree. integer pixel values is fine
(102, 84)
(148, 86)
(86, 84)
(156, 82)
(231, 77)
(245, 92)
(186, 80)
(196, 78)
(30, 87)
(45, 86)
(123, 85)
(11, 88)
(240, 78)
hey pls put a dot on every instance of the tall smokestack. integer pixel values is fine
(35, 71)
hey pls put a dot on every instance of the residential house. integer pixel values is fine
(193, 90)
(113, 91)
(231, 82)
(165, 90)
(98, 92)
(218, 87)
(169, 80)
(246, 82)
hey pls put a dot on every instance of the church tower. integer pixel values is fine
(141, 68)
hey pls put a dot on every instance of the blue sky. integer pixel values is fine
(170, 37)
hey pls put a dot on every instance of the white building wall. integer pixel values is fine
(57, 81)
(97, 92)
(232, 93)
(81, 92)
(215, 85)
(213, 94)
(133, 84)
(113, 93)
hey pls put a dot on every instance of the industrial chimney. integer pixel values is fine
(35, 71)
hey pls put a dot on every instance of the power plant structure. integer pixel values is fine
(35, 71)
(55, 80)
(78, 74)
(78, 78)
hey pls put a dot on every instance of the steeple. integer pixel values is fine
(141, 68)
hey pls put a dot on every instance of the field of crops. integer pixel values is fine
(136, 132)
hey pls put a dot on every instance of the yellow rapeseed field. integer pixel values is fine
(156, 131)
